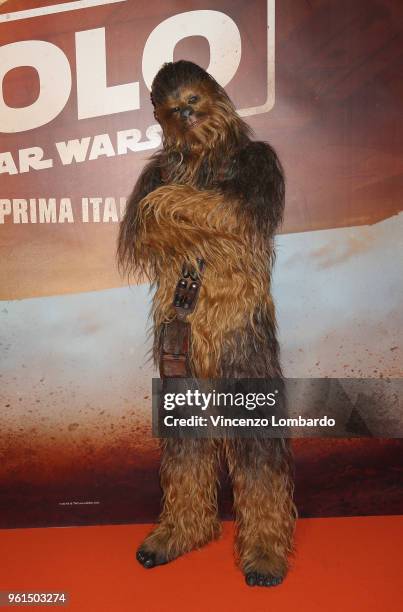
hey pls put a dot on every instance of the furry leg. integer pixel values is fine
(264, 508)
(189, 516)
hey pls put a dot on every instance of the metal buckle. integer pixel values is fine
(187, 289)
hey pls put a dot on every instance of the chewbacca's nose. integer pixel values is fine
(186, 112)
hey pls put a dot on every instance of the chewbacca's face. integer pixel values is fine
(189, 115)
(196, 115)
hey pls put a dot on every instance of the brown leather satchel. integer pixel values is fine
(175, 353)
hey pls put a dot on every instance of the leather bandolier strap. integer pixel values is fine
(175, 353)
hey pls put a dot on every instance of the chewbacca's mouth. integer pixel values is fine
(193, 122)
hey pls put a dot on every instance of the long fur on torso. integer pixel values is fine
(225, 211)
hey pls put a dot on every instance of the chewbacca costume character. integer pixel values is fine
(213, 194)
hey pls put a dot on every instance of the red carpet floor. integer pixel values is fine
(341, 565)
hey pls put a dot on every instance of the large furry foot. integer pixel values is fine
(264, 569)
(164, 544)
(257, 579)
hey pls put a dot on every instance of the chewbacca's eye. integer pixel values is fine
(193, 99)
(175, 110)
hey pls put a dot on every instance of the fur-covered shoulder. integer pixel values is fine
(257, 181)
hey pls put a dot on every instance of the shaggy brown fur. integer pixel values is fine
(189, 482)
(213, 193)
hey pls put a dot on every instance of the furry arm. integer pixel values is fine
(182, 222)
(149, 179)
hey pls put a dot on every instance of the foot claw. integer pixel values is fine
(250, 578)
(149, 559)
(254, 578)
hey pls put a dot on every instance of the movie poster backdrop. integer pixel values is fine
(321, 82)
